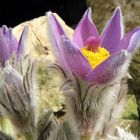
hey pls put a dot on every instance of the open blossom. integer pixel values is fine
(93, 57)
(9, 43)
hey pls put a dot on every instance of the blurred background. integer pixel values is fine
(14, 12)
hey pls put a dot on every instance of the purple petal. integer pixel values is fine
(85, 29)
(57, 32)
(131, 40)
(109, 69)
(113, 32)
(76, 62)
(4, 29)
(22, 41)
(10, 39)
(4, 48)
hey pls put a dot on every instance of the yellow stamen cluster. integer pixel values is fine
(95, 58)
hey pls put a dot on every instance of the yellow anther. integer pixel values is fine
(95, 58)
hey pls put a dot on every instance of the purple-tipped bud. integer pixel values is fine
(17, 98)
(9, 44)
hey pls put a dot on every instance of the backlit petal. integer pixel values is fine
(4, 29)
(23, 41)
(113, 32)
(77, 63)
(10, 40)
(4, 48)
(85, 29)
(56, 33)
(131, 40)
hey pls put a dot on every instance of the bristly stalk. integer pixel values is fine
(87, 104)
(63, 132)
(46, 124)
(115, 112)
(92, 108)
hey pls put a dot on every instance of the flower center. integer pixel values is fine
(94, 53)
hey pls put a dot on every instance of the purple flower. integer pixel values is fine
(9, 43)
(93, 57)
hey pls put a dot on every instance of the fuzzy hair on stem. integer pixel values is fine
(17, 98)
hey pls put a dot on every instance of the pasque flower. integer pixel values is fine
(9, 43)
(90, 56)
(93, 66)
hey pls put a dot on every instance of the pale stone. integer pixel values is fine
(39, 42)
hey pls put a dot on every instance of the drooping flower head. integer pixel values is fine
(93, 57)
(9, 43)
